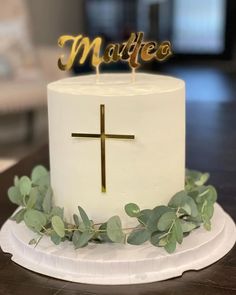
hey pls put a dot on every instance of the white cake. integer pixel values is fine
(146, 170)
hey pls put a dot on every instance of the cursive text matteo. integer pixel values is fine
(131, 51)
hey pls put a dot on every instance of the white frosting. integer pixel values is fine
(117, 85)
(147, 170)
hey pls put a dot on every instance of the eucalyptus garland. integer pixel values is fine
(162, 226)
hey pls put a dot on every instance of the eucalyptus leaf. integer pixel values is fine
(166, 221)
(57, 211)
(103, 233)
(84, 217)
(202, 179)
(193, 207)
(14, 195)
(177, 228)
(32, 198)
(132, 210)
(170, 246)
(178, 199)
(212, 194)
(76, 219)
(76, 237)
(43, 183)
(25, 185)
(114, 230)
(187, 226)
(38, 172)
(138, 237)
(84, 239)
(208, 210)
(171, 242)
(55, 238)
(159, 239)
(32, 242)
(35, 219)
(155, 215)
(40, 198)
(58, 226)
(144, 216)
(47, 202)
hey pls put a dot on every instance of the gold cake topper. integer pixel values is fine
(103, 136)
(131, 51)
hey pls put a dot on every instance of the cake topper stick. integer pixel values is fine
(103, 136)
(133, 75)
(97, 73)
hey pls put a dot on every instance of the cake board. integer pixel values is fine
(116, 264)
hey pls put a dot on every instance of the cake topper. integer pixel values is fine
(132, 51)
(103, 136)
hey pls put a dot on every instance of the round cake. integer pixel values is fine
(116, 139)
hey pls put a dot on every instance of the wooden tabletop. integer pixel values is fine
(211, 146)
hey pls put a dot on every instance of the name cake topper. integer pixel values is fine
(131, 51)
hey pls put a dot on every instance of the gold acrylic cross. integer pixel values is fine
(102, 137)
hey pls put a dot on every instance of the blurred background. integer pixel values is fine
(202, 34)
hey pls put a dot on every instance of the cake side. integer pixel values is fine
(146, 170)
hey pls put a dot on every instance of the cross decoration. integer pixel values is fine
(103, 136)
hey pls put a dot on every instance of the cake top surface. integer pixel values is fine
(118, 84)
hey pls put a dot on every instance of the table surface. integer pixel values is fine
(211, 146)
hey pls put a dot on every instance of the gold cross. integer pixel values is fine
(102, 137)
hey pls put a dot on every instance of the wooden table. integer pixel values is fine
(211, 146)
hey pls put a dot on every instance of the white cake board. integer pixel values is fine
(119, 264)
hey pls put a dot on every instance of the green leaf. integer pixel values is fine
(43, 183)
(206, 223)
(58, 225)
(84, 217)
(202, 194)
(193, 207)
(40, 198)
(178, 199)
(144, 216)
(14, 195)
(19, 216)
(170, 246)
(114, 230)
(185, 202)
(155, 215)
(132, 210)
(32, 198)
(55, 238)
(212, 194)
(166, 221)
(57, 211)
(177, 228)
(32, 242)
(76, 219)
(159, 239)
(202, 179)
(38, 172)
(103, 235)
(25, 185)
(83, 239)
(47, 202)
(138, 237)
(209, 210)
(76, 237)
(35, 220)
(187, 226)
